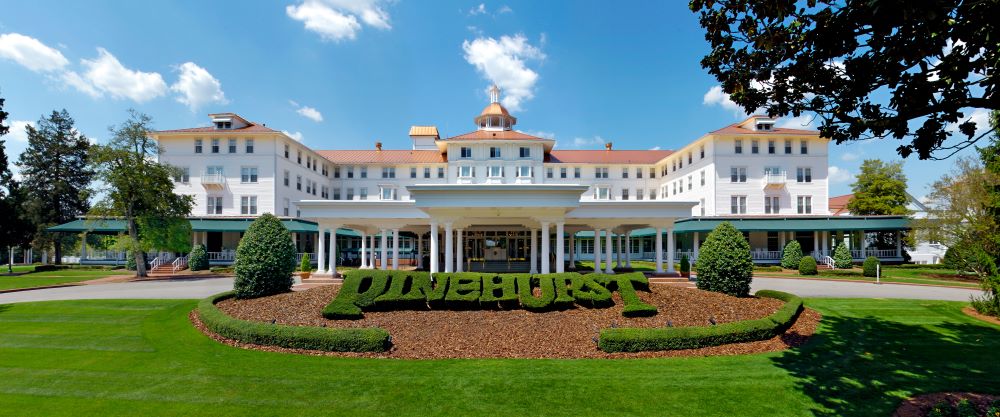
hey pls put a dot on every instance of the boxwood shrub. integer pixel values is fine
(297, 337)
(626, 285)
(791, 255)
(406, 291)
(725, 264)
(265, 259)
(588, 291)
(870, 267)
(525, 285)
(499, 290)
(360, 289)
(671, 338)
(464, 289)
(842, 256)
(198, 258)
(563, 283)
(807, 266)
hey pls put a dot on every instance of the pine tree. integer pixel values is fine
(16, 230)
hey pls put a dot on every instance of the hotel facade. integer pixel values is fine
(497, 199)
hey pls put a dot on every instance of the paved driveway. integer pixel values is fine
(201, 288)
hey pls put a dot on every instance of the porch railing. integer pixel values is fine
(228, 255)
(179, 264)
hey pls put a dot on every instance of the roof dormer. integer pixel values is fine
(758, 123)
(228, 121)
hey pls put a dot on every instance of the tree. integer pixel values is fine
(724, 263)
(138, 188)
(882, 69)
(879, 189)
(198, 258)
(842, 257)
(56, 177)
(16, 230)
(870, 267)
(265, 259)
(791, 255)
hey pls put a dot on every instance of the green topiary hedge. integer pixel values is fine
(500, 290)
(198, 258)
(807, 266)
(304, 263)
(870, 267)
(791, 255)
(525, 285)
(685, 265)
(296, 337)
(672, 338)
(842, 257)
(265, 259)
(724, 263)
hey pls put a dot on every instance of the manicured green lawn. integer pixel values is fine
(62, 276)
(142, 357)
(889, 274)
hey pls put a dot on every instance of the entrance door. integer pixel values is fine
(214, 242)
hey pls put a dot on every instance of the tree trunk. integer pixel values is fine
(140, 256)
(10, 260)
(58, 244)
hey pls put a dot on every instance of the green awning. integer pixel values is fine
(795, 224)
(198, 225)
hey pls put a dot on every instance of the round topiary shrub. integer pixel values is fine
(265, 259)
(198, 258)
(807, 266)
(724, 263)
(842, 257)
(685, 265)
(304, 264)
(791, 255)
(870, 267)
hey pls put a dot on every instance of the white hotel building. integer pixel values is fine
(498, 199)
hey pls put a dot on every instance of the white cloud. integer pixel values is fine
(307, 112)
(106, 75)
(17, 130)
(850, 156)
(716, 97)
(337, 20)
(539, 133)
(838, 175)
(504, 9)
(480, 9)
(980, 116)
(655, 148)
(801, 122)
(294, 135)
(197, 87)
(595, 142)
(31, 53)
(503, 62)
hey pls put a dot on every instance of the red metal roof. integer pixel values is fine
(838, 204)
(253, 128)
(495, 135)
(736, 129)
(606, 156)
(383, 157)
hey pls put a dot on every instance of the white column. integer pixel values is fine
(671, 247)
(545, 248)
(816, 237)
(618, 252)
(83, 249)
(364, 250)
(560, 247)
(824, 243)
(597, 250)
(395, 249)
(434, 247)
(371, 250)
(864, 246)
(696, 244)
(449, 250)
(534, 251)
(572, 250)
(628, 249)
(383, 255)
(333, 250)
(608, 250)
(781, 240)
(458, 250)
(321, 252)
(899, 244)
(659, 250)
(420, 250)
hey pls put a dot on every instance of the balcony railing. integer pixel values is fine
(775, 179)
(213, 180)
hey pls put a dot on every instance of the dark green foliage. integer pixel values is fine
(671, 338)
(964, 408)
(724, 263)
(771, 268)
(791, 255)
(499, 289)
(842, 257)
(685, 264)
(525, 283)
(130, 263)
(870, 267)
(265, 259)
(304, 265)
(951, 260)
(807, 266)
(941, 409)
(464, 289)
(589, 292)
(404, 290)
(626, 285)
(360, 289)
(563, 283)
(295, 337)
(197, 259)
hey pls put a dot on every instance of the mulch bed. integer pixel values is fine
(434, 334)
(919, 406)
(970, 311)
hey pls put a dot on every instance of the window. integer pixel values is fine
(624, 193)
(690, 182)
(427, 172)
(495, 171)
(652, 193)
(388, 172)
(576, 172)
(494, 152)
(737, 174)
(701, 151)
(771, 204)
(755, 146)
(525, 152)
(701, 205)
(286, 178)
(315, 187)
(350, 193)
(601, 172)
(223, 125)
(638, 194)
(183, 175)
(287, 151)
(285, 209)
(803, 147)
(214, 170)
(549, 172)
(298, 157)
(215, 146)
(363, 193)
(624, 172)
(364, 172)
(603, 193)
(308, 186)
(674, 184)
(805, 204)
(562, 172)
(788, 147)
(673, 165)
(388, 193)
(524, 171)
(652, 173)
(248, 175)
(350, 171)
(308, 161)
(248, 204)
(440, 172)
(466, 171)
(803, 175)
(336, 193)
(770, 147)
(739, 146)
(298, 182)
(703, 177)
(738, 204)
(214, 204)
(680, 163)
(326, 171)
(466, 152)
(232, 146)
(638, 173)
(197, 146)
(249, 145)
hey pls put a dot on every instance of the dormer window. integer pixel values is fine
(223, 125)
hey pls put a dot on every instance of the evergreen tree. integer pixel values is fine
(791, 255)
(56, 176)
(842, 257)
(724, 263)
(265, 259)
(880, 189)
(16, 230)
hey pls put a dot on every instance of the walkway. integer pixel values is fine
(197, 288)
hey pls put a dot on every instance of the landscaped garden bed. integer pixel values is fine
(948, 404)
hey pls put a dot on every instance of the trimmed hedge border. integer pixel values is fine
(673, 338)
(296, 337)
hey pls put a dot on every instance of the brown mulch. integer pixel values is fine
(920, 405)
(970, 311)
(433, 334)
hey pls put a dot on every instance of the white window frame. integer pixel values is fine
(524, 171)
(602, 192)
(466, 171)
(494, 171)
(248, 175)
(738, 204)
(387, 192)
(231, 145)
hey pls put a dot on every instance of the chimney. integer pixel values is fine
(378, 146)
(607, 146)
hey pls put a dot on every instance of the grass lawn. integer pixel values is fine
(639, 266)
(62, 276)
(889, 274)
(142, 357)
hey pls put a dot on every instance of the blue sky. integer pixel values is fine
(343, 74)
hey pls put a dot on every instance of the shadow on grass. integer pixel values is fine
(867, 366)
